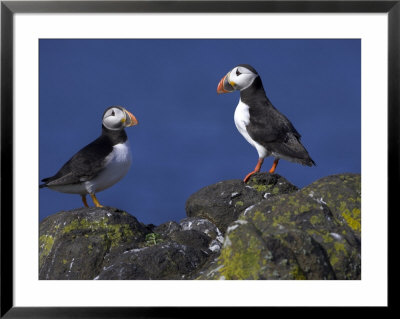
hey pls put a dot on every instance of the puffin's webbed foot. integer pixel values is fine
(257, 169)
(95, 201)
(248, 176)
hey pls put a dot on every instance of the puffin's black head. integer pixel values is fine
(117, 118)
(239, 78)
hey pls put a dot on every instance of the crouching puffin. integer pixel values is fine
(100, 164)
(260, 123)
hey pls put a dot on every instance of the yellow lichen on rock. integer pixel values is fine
(46, 243)
(241, 261)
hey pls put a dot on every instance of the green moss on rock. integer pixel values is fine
(260, 188)
(239, 203)
(83, 238)
(114, 232)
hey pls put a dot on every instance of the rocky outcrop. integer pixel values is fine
(312, 233)
(106, 243)
(73, 244)
(265, 229)
(223, 202)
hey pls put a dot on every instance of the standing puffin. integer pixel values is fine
(260, 123)
(100, 164)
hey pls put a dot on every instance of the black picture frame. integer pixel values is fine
(9, 8)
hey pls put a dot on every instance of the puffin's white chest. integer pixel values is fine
(117, 164)
(242, 120)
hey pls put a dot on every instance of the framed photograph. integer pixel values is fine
(204, 188)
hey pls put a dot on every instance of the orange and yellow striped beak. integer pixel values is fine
(224, 86)
(130, 119)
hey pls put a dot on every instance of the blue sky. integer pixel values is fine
(186, 138)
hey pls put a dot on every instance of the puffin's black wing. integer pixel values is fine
(275, 132)
(292, 150)
(268, 125)
(84, 165)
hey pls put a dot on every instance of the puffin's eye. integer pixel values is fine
(237, 72)
(112, 113)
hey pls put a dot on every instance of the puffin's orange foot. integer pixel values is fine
(256, 170)
(274, 165)
(248, 176)
(95, 201)
(84, 200)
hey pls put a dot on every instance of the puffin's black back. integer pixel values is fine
(88, 162)
(267, 124)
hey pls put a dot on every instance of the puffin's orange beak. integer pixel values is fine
(224, 86)
(131, 119)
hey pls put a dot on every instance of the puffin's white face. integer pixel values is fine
(239, 78)
(117, 118)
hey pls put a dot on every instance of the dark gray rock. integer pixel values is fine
(192, 238)
(223, 202)
(206, 227)
(294, 236)
(174, 251)
(162, 261)
(342, 194)
(73, 244)
(106, 243)
(167, 228)
(270, 185)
